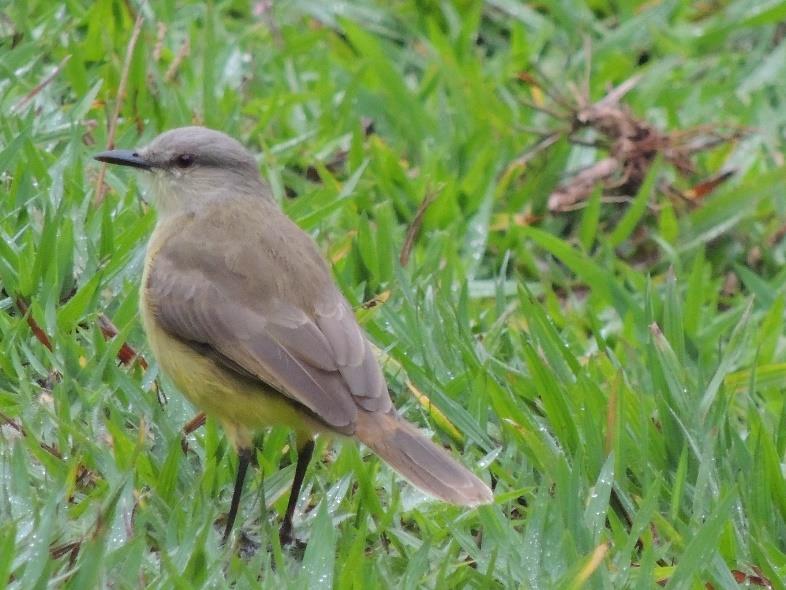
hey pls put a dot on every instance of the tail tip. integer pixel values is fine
(479, 495)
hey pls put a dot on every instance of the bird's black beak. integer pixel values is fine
(124, 158)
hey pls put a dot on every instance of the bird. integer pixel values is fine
(242, 313)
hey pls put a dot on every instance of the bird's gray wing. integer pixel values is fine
(224, 305)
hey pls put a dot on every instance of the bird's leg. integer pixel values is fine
(244, 458)
(303, 458)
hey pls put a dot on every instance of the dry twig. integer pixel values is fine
(37, 330)
(121, 95)
(195, 423)
(40, 86)
(182, 54)
(13, 424)
(414, 226)
(127, 354)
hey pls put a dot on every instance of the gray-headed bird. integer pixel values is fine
(241, 312)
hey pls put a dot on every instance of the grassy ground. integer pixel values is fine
(616, 369)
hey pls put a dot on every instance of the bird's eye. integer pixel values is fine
(184, 160)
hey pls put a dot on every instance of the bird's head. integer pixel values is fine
(190, 164)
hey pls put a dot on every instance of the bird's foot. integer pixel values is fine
(285, 534)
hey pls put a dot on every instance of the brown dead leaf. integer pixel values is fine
(705, 187)
(631, 142)
(579, 188)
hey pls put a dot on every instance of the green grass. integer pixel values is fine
(618, 372)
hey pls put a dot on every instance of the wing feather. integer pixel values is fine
(317, 357)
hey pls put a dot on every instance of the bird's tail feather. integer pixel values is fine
(423, 463)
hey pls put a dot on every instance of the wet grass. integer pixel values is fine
(616, 371)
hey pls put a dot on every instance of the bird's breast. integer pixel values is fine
(241, 404)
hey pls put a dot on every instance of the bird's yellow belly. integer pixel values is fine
(241, 405)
